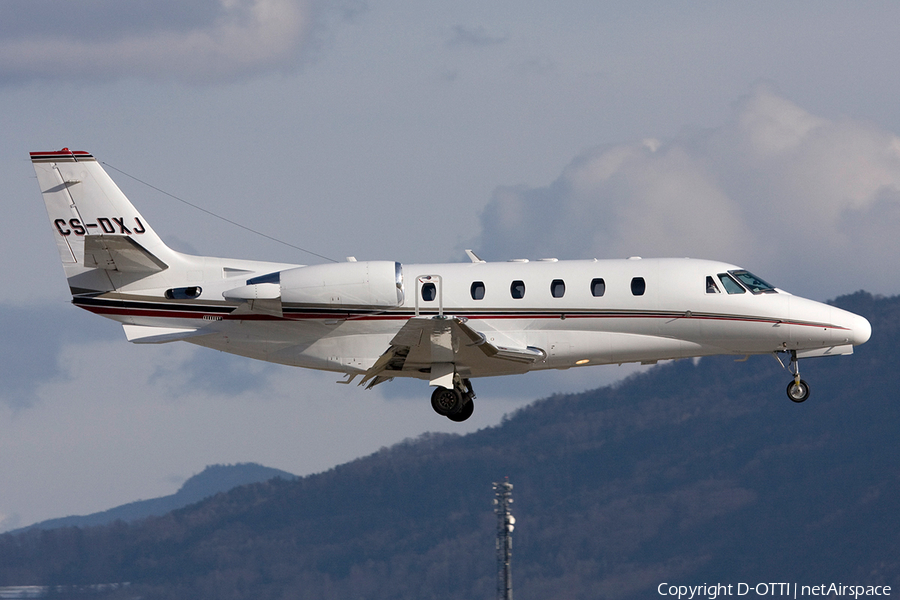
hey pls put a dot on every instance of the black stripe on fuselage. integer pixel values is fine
(116, 307)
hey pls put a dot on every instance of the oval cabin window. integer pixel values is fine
(558, 288)
(638, 286)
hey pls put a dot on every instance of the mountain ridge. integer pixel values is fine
(209, 482)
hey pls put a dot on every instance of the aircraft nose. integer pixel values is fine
(860, 329)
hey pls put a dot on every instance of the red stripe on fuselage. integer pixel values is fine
(341, 316)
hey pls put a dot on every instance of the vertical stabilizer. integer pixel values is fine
(102, 239)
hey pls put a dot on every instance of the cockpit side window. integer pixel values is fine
(731, 286)
(753, 283)
(711, 287)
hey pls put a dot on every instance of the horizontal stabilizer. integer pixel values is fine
(143, 334)
(119, 253)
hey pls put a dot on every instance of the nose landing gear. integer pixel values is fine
(797, 389)
(456, 404)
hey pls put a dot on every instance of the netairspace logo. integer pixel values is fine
(794, 590)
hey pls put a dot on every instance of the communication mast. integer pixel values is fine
(505, 525)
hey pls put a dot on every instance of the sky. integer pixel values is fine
(765, 134)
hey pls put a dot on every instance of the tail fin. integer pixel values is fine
(102, 240)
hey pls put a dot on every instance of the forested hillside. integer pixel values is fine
(690, 473)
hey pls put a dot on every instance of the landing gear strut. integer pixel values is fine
(797, 389)
(456, 404)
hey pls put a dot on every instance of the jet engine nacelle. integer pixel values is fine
(371, 284)
(368, 285)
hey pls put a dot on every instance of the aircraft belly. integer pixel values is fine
(346, 354)
(346, 347)
(309, 344)
(576, 341)
(255, 339)
(577, 348)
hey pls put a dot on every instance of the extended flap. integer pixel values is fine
(443, 345)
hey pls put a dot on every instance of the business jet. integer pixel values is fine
(443, 323)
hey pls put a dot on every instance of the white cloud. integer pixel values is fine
(808, 202)
(213, 40)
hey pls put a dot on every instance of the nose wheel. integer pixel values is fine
(797, 389)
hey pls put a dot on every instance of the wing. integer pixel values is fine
(442, 346)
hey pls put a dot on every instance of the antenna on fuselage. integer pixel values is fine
(474, 257)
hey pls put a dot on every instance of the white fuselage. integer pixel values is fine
(675, 316)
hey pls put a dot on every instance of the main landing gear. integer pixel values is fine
(797, 389)
(456, 404)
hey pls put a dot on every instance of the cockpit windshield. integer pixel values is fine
(753, 283)
(730, 284)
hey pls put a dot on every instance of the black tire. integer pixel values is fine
(445, 402)
(798, 392)
(464, 412)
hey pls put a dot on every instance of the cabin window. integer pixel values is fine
(638, 286)
(598, 287)
(517, 289)
(753, 283)
(711, 287)
(477, 290)
(731, 286)
(429, 292)
(557, 288)
(185, 293)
